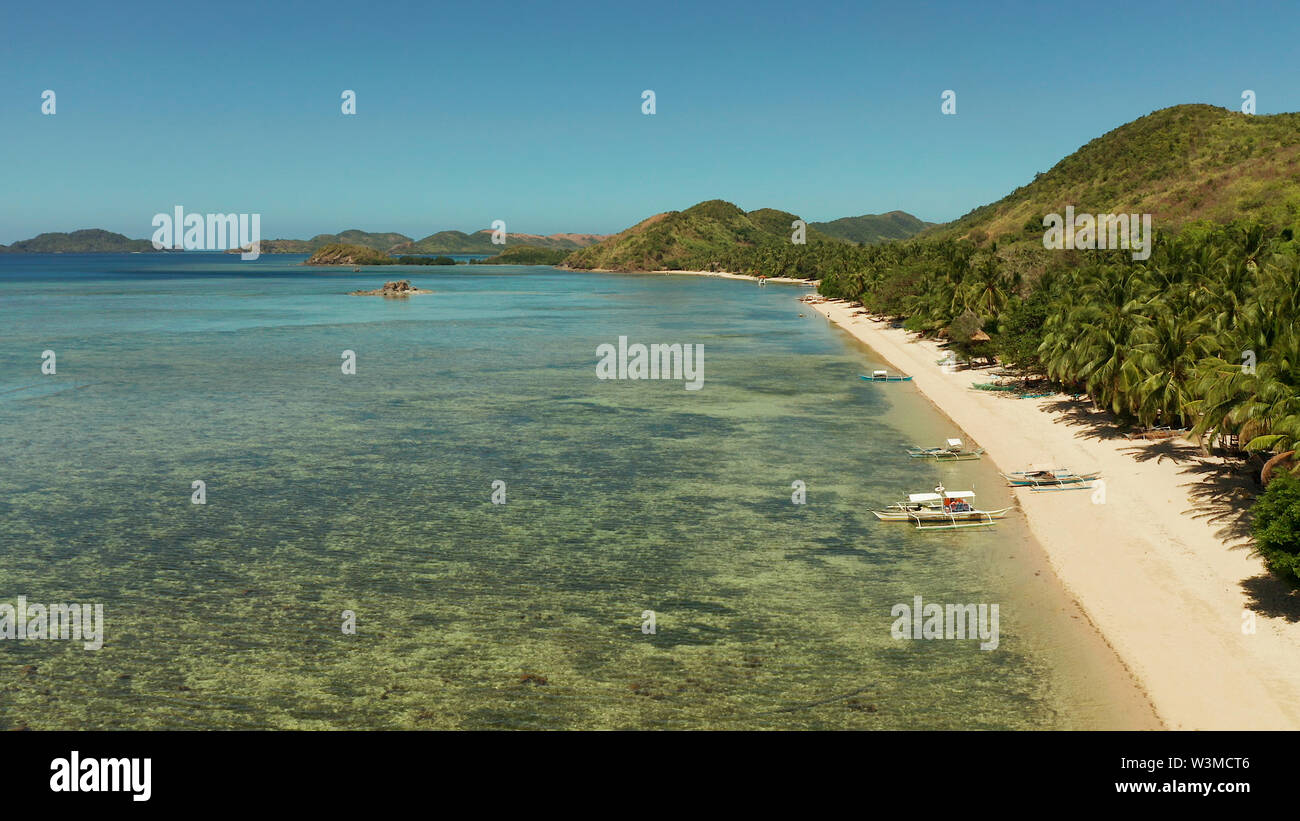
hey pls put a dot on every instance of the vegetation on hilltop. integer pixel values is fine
(1181, 164)
(342, 254)
(451, 242)
(525, 255)
(869, 229)
(443, 242)
(85, 241)
(480, 242)
(378, 242)
(713, 235)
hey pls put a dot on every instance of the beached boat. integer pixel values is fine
(1051, 479)
(940, 510)
(954, 451)
(886, 376)
(1158, 433)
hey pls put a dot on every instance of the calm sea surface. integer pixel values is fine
(372, 493)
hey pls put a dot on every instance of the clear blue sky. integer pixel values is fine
(531, 112)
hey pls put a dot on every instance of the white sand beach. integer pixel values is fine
(779, 280)
(1160, 566)
(720, 274)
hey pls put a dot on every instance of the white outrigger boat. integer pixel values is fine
(941, 510)
(954, 451)
(1051, 479)
(886, 376)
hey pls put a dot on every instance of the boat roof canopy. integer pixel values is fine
(935, 497)
(954, 443)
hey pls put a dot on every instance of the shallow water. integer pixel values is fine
(372, 493)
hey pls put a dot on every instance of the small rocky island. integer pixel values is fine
(341, 254)
(401, 287)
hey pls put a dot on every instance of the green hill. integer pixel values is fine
(85, 241)
(451, 242)
(1179, 164)
(527, 255)
(379, 242)
(376, 241)
(480, 242)
(701, 237)
(872, 228)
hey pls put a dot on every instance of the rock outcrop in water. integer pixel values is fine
(401, 287)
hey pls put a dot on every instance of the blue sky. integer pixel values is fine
(531, 112)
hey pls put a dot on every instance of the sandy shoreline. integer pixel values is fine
(1149, 566)
(810, 283)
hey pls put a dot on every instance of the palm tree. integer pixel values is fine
(1165, 354)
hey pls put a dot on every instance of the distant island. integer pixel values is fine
(518, 248)
(525, 255)
(97, 240)
(85, 241)
(443, 242)
(344, 254)
(480, 242)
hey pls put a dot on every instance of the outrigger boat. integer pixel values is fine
(954, 451)
(885, 376)
(1051, 479)
(941, 510)
(1158, 433)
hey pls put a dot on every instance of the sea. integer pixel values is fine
(302, 509)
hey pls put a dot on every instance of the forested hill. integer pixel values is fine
(1179, 164)
(702, 236)
(872, 228)
(85, 241)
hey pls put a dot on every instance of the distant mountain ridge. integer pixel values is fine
(872, 228)
(480, 242)
(97, 240)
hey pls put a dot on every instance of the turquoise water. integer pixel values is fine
(372, 493)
